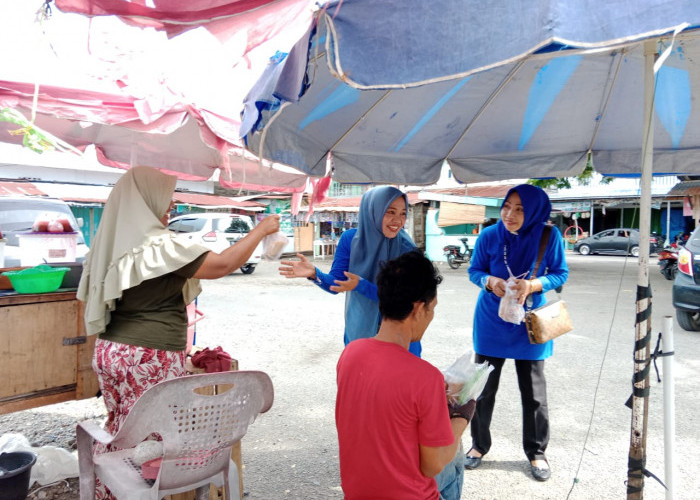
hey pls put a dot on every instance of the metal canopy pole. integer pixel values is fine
(669, 409)
(640, 400)
(668, 224)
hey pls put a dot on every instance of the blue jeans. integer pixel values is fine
(449, 481)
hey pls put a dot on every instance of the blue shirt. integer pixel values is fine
(341, 262)
(493, 336)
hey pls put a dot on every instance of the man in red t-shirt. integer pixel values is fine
(395, 430)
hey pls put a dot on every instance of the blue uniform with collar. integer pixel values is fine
(365, 287)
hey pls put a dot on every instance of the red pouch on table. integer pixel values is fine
(212, 360)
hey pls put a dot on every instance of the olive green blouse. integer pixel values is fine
(153, 313)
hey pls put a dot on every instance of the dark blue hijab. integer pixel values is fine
(522, 247)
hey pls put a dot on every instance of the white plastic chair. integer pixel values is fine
(198, 432)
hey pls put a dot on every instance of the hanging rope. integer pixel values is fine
(598, 381)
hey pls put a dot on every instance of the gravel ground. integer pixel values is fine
(293, 331)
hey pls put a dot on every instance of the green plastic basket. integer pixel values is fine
(40, 279)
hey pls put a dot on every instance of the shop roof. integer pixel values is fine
(89, 194)
(685, 188)
(19, 189)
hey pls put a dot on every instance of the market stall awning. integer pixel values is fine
(454, 214)
(137, 95)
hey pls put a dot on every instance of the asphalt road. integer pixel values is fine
(293, 331)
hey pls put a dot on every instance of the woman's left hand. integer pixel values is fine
(524, 288)
(346, 286)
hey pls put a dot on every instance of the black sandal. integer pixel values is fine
(541, 473)
(471, 463)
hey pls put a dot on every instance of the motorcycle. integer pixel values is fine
(668, 261)
(455, 256)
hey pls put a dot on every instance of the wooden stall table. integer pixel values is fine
(214, 493)
(47, 358)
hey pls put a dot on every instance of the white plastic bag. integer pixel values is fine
(509, 310)
(52, 463)
(273, 244)
(466, 379)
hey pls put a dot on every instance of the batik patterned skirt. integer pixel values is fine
(124, 373)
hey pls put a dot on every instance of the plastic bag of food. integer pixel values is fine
(509, 310)
(465, 379)
(273, 245)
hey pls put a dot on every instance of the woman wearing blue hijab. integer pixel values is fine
(508, 248)
(379, 237)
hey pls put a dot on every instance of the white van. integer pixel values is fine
(217, 231)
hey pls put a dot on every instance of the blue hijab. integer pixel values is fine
(368, 248)
(522, 247)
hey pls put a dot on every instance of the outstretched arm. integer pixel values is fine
(217, 265)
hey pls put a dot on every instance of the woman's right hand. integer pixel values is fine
(497, 285)
(301, 268)
(269, 225)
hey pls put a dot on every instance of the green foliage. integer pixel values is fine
(33, 137)
(584, 178)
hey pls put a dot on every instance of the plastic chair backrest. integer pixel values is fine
(198, 430)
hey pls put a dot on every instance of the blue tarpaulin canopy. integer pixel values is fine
(393, 89)
(499, 90)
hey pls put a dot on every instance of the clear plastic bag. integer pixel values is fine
(509, 310)
(273, 245)
(52, 463)
(466, 379)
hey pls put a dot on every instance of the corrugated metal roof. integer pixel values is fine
(685, 188)
(82, 193)
(77, 193)
(492, 191)
(19, 189)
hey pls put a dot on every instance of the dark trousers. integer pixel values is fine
(533, 395)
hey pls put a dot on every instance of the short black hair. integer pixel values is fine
(403, 281)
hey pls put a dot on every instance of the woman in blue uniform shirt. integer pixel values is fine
(379, 237)
(511, 247)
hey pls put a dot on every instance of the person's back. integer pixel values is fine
(389, 401)
(398, 436)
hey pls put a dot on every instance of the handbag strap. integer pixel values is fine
(543, 246)
(544, 239)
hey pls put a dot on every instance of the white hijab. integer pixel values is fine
(132, 245)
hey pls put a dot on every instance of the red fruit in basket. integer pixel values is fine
(40, 226)
(67, 228)
(55, 226)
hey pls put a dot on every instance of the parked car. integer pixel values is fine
(620, 241)
(686, 285)
(217, 231)
(18, 214)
